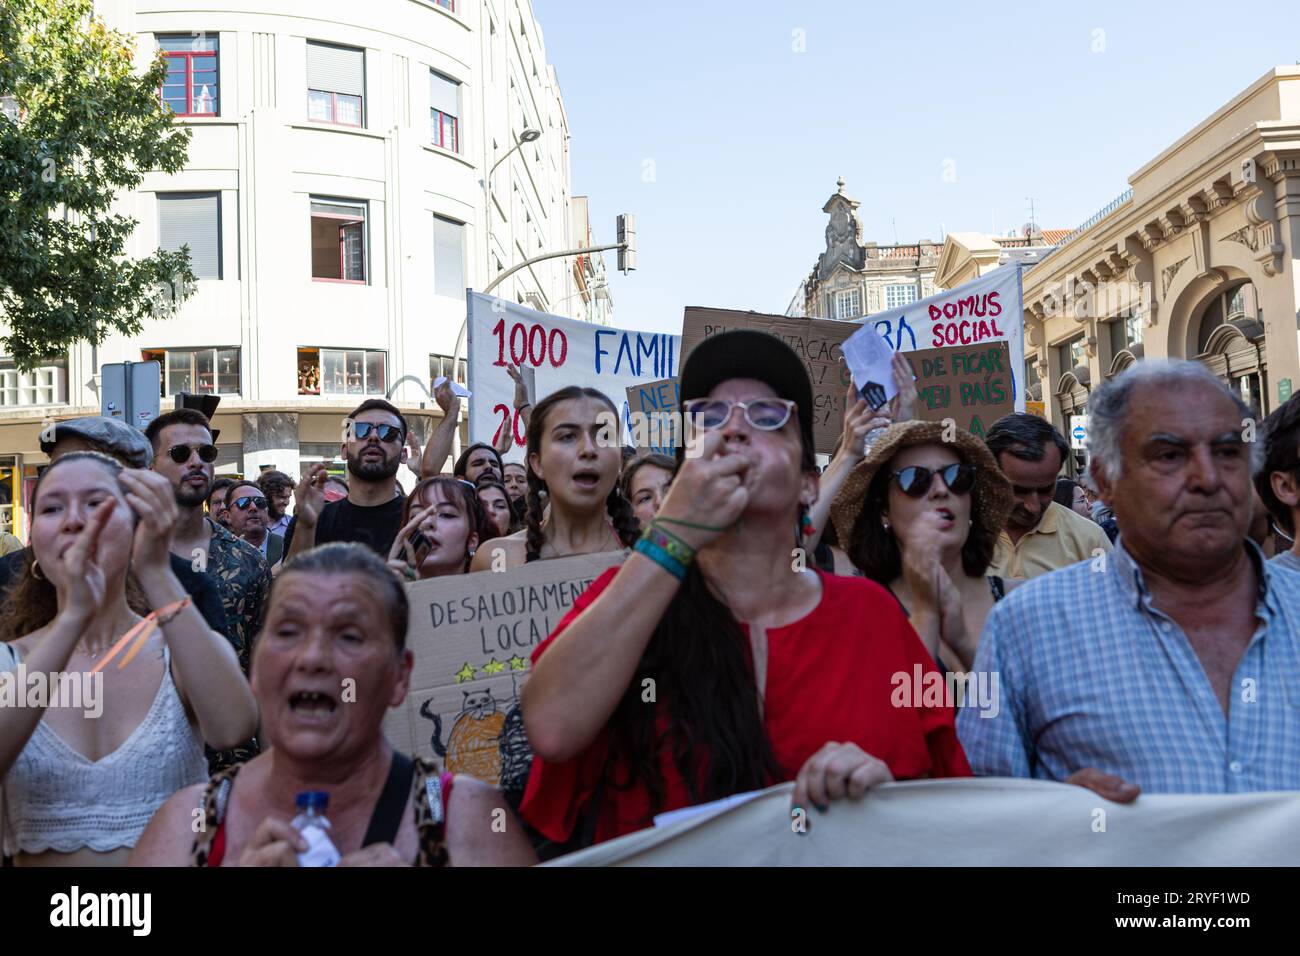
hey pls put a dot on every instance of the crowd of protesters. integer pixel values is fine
(1121, 608)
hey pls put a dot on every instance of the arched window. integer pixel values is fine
(1230, 342)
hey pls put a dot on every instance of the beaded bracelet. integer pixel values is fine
(675, 546)
(662, 558)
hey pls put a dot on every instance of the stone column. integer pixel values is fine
(270, 441)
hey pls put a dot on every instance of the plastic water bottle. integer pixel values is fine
(314, 826)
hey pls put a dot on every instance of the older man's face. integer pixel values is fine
(1184, 496)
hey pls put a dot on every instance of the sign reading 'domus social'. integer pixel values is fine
(472, 636)
(561, 352)
(655, 419)
(987, 309)
(970, 384)
(816, 341)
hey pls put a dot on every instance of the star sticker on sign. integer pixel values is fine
(493, 666)
(464, 674)
(518, 663)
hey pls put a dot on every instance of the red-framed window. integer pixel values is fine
(446, 130)
(336, 84)
(338, 241)
(444, 111)
(340, 109)
(191, 86)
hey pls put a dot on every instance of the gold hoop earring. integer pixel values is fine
(36, 571)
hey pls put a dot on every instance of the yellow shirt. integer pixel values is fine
(1063, 537)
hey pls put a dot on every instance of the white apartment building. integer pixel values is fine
(336, 209)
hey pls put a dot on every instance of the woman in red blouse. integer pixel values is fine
(713, 661)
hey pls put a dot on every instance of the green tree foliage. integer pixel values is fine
(78, 126)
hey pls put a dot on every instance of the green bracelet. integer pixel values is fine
(662, 558)
(665, 539)
(692, 524)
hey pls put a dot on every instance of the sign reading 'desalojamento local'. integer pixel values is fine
(472, 636)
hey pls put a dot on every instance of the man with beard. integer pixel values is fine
(1041, 535)
(183, 452)
(371, 514)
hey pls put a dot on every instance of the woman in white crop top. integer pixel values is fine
(80, 778)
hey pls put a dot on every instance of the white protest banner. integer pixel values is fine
(472, 636)
(973, 821)
(560, 352)
(987, 309)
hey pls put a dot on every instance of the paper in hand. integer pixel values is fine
(870, 360)
(530, 383)
(456, 387)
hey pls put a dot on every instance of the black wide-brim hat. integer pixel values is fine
(746, 353)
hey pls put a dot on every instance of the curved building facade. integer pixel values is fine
(336, 204)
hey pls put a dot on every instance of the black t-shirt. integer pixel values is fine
(375, 526)
(198, 585)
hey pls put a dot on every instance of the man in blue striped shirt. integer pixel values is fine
(1171, 665)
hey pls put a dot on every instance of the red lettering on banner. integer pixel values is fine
(995, 307)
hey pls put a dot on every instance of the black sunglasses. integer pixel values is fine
(915, 480)
(361, 431)
(181, 453)
(257, 501)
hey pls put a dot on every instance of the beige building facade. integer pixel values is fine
(337, 203)
(1196, 260)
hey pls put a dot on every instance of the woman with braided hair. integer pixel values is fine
(574, 505)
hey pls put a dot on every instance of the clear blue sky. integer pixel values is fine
(747, 136)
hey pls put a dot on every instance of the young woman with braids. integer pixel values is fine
(575, 468)
(714, 660)
(442, 525)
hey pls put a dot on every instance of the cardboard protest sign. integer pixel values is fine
(558, 352)
(655, 416)
(472, 635)
(816, 341)
(970, 384)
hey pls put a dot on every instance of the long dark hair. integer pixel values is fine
(617, 507)
(32, 602)
(458, 490)
(701, 665)
(488, 481)
(875, 552)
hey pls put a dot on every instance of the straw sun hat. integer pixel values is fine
(993, 498)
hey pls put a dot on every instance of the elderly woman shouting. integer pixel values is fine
(337, 615)
(714, 660)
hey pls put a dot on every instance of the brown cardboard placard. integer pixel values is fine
(655, 416)
(970, 384)
(472, 635)
(816, 341)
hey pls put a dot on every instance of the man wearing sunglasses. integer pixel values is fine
(248, 511)
(374, 444)
(185, 455)
(1041, 535)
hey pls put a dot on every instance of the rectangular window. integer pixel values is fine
(440, 367)
(848, 304)
(43, 385)
(449, 5)
(444, 112)
(448, 258)
(1071, 354)
(338, 241)
(342, 372)
(212, 371)
(336, 84)
(190, 87)
(194, 220)
(897, 296)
